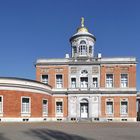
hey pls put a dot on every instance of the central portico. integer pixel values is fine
(81, 106)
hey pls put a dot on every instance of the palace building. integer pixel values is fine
(83, 86)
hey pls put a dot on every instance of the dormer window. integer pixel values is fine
(83, 48)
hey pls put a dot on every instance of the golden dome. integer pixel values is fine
(82, 29)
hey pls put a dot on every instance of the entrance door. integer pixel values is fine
(84, 110)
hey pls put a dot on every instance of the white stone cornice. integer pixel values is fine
(19, 84)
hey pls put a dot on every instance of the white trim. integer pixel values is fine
(116, 119)
(118, 89)
(34, 91)
(118, 95)
(59, 89)
(58, 95)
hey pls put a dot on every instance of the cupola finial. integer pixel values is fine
(82, 21)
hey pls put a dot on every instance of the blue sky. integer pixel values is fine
(31, 29)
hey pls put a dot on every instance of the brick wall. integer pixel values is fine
(51, 71)
(12, 103)
(117, 70)
(116, 105)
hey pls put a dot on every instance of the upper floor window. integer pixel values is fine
(95, 82)
(73, 82)
(45, 79)
(59, 81)
(84, 82)
(109, 80)
(124, 80)
(83, 48)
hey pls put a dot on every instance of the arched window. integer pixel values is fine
(83, 48)
(82, 42)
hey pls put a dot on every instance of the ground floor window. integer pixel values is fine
(1, 104)
(59, 107)
(124, 107)
(25, 105)
(109, 107)
(45, 107)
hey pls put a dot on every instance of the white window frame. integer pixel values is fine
(60, 114)
(60, 83)
(84, 84)
(123, 81)
(46, 112)
(74, 50)
(121, 113)
(108, 113)
(110, 80)
(83, 48)
(73, 85)
(43, 80)
(1, 109)
(26, 113)
(95, 83)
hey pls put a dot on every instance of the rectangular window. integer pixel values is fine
(1, 104)
(124, 107)
(84, 82)
(73, 82)
(25, 105)
(109, 80)
(124, 80)
(74, 50)
(90, 49)
(45, 79)
(59, 81)
(95, 82)
(45, 107)
(109, 107)
(59, 107)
